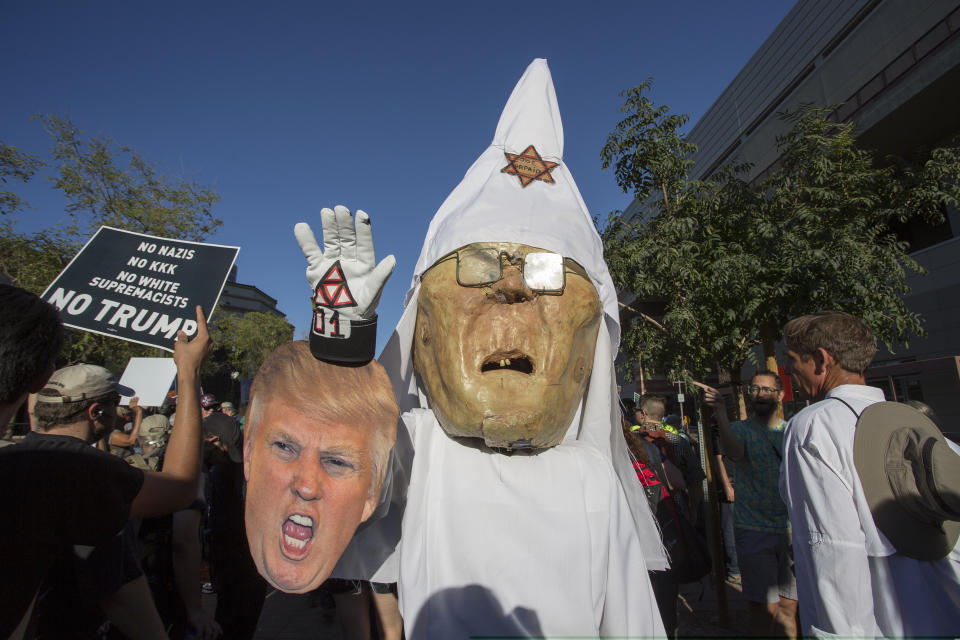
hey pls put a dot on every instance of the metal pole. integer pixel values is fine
(680, 400)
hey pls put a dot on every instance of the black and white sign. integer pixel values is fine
(140, 288)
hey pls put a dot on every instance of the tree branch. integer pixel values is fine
(645, 317)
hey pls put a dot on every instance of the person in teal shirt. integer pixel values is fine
(761, 524)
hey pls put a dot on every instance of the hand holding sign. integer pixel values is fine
(346, 282)
(140, 288)
(190, 354)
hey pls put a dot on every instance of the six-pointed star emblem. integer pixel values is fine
(529, 166)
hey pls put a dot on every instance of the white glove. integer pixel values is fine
(346, 282)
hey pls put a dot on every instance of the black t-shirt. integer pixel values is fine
(57, 490)
(225, 496)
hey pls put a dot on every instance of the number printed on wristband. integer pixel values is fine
(328, 322)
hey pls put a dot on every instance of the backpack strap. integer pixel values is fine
(847, 405)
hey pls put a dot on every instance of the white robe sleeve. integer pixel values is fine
(629, 607)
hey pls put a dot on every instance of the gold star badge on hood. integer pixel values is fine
(529, 166)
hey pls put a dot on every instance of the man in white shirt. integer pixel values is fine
(851, 580)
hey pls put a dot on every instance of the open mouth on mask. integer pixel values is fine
(508, 361)
(297, 533)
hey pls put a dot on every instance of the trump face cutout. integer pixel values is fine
(314, 469)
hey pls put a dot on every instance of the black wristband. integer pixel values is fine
(357, 349)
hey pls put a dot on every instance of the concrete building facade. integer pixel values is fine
(893, 67)
(244, 298)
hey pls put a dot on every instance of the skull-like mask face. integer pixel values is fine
(504, 342)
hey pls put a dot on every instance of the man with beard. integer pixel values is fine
(761, 525)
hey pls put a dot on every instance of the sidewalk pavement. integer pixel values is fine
(297, 617)
(699, 614)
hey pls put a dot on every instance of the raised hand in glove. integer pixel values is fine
(347, 283)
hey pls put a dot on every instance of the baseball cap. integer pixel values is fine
(226, 428)
(207, 401)
(81, 382)
(154, 428)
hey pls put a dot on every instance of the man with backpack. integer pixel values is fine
(873, 493)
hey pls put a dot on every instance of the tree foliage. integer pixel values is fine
(692, 260)
(647, 151)
(831, 206)
(15, 165)
(244, 341)
(135, 197)
(105, 184)
(731, 262)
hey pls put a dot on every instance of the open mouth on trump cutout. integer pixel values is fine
(297, 534)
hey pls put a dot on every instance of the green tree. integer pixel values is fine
(831, 207)
(244, 341)
(105, 184)
(732, 262)
(691, 259)
(647, 150)
(15, 165)
(109, 184)
(683, 253)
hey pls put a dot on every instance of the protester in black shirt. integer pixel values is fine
(240, 589)
(57, 490)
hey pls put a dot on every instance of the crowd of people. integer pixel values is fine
(842, 521)
(70, 505)
(101, 543)
(479, 479)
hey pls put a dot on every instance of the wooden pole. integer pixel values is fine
(712, 512)
(770, 360)
(643, 386)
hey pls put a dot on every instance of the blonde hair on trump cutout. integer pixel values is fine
(329, 394)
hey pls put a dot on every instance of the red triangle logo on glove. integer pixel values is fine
(332, 290)
(334, 274)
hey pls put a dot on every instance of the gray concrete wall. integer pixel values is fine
(847, 70)
(794, 44)
(936, 297)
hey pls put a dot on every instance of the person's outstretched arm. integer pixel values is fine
(175, 487)
(120, 439)
(729, 443)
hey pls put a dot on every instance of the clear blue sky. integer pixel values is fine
(287, 107)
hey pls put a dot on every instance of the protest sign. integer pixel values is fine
(150, 379)
(140, 288)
